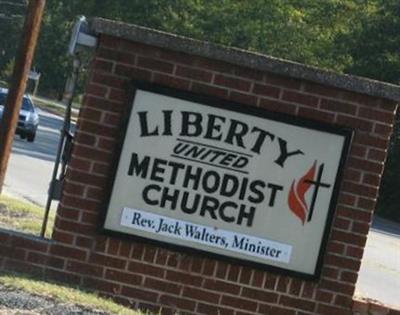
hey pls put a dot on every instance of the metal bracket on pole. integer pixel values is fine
(66, 140)
(80, 37)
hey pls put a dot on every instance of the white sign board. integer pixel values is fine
(233, 181)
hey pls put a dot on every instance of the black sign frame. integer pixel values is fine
(202, 99)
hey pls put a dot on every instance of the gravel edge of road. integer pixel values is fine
(18, 301)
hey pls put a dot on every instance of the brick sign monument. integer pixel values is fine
(211, 180)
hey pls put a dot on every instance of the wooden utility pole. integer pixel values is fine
(22, 66)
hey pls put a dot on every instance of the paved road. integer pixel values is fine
(379, 277)
(31, 164)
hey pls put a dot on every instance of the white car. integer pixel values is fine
(28, 121)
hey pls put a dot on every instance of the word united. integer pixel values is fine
(182, 183)
(218, 128)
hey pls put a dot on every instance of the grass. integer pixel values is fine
(26, 217)
(54, 106)
(23, 216)
(65, 294)
(49, 106)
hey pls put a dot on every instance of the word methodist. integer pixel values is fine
(236, 182)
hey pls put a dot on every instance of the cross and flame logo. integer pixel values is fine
(296, 199)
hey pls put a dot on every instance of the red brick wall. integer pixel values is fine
(155, 278)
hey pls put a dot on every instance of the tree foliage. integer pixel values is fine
(11, 20)
(300, 30)
(374, 48)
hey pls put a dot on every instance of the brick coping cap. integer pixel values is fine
(245, 58)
